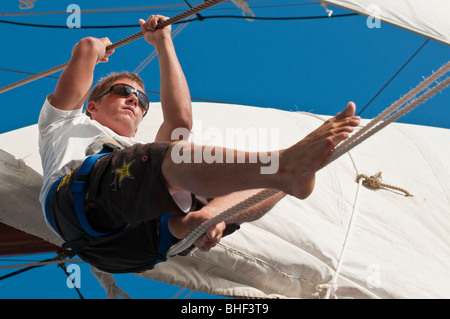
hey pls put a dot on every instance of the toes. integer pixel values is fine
(349, 111)
(336, 139)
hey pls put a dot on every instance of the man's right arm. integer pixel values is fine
(75, 82)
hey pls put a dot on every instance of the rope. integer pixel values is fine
(26, 4)
(205, 5)
(43, 263)
(371, 128)
(109, 284)
(153, 55)
(374, 182)
(186, 242)
(341, 149)
(332, 286)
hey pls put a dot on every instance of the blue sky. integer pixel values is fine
(315, 65)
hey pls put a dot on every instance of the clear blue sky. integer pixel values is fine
(297, 65)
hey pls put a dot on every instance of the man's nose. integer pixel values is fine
(132, 99)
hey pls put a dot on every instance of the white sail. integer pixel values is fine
(429, 18)
(397, 247)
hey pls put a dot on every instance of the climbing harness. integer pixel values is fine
(79, 188)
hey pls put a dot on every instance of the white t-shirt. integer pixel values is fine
(63, 139)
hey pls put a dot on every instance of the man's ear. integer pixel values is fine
(92, 107)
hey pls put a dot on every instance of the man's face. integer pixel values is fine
(121, 114)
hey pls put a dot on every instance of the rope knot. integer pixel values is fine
(375, 182)
(330, 287)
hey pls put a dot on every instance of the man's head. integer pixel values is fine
(109, 104)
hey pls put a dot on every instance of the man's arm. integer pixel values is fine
(175, 96)
(180, 226)
(76, 80)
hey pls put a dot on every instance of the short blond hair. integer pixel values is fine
(104, 83)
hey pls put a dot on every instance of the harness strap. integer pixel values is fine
(165, 238)
(78, 188)
(47, 205)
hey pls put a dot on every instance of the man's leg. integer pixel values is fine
(297, 164)
(296, 176)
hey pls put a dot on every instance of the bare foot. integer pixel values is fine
(300, 162)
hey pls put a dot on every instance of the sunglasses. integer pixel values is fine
(126, 91)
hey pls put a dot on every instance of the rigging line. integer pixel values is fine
(393, 77)
(197, 14)
(179, 293)
(54, 260)
(153, 55)
(141, 9)
(20, 271)
(6, 14)
(195, 19)
(27, 73)
(44, 262)
(190, 293)
(117, 44)
(146, 91)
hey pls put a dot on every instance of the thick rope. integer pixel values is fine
(341, 149)
(186, 242)
(207, 4)
(371, 126)
(153, 55)
(109, 284)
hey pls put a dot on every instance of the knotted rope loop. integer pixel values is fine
(375, 182)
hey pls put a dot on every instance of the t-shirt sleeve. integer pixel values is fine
(50, 115)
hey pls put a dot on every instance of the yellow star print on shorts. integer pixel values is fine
(124, 171)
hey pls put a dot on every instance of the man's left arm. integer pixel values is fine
(175, 96)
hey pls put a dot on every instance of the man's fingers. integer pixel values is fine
(211, 238)
(215, 230)
(107, 43)
(152, 22)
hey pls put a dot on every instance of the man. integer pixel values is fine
(120, 209)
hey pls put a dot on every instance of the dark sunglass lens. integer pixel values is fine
(126, 90)
(121, 90)
(143, 101)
